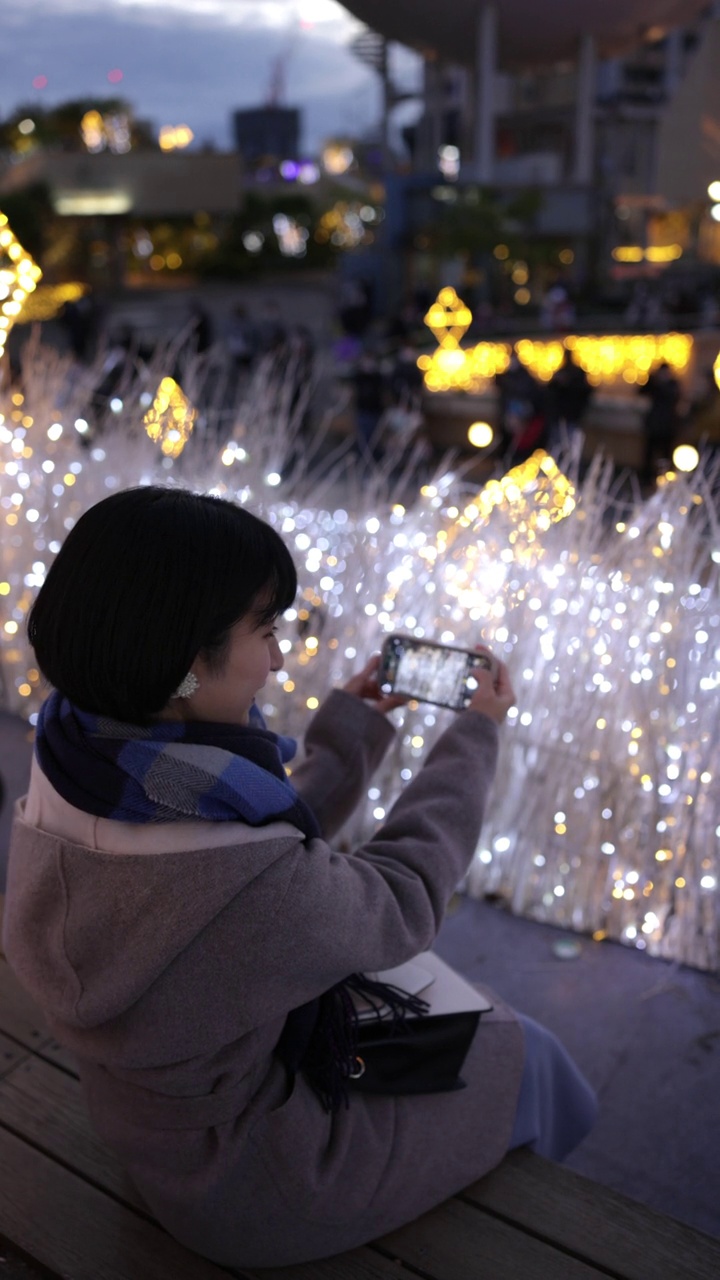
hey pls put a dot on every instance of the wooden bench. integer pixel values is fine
(68, 1210)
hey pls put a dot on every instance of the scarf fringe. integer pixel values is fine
(331, 1058)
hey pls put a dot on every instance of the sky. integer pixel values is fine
(192, 61)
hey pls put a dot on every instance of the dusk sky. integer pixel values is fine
(192, 61)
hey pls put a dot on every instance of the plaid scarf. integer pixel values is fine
(169, 770)
(172, 770)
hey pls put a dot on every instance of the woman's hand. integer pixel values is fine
(364, 685)
(493, 699)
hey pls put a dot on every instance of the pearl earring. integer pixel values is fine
(187, 687)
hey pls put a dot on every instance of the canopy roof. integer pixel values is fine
(531, 31)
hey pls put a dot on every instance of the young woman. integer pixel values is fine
(176, 908)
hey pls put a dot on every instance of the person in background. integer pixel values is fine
(370, 394)
(522, 419)
(661, 421)
(201, 334)
(241, 339)
(569, 394)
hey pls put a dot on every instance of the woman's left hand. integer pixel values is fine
(364, 685)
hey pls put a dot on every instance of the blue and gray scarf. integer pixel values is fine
(172, 771)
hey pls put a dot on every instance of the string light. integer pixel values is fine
(18, 278)
(607, 816)
(606, 359)
(170, 419)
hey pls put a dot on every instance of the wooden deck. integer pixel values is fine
(67, 1209)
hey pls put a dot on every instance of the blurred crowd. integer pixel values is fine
(374, 358)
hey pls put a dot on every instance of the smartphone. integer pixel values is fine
(442, 674)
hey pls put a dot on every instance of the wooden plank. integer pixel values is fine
(20, 1017)
(58, 1055)
(593, 1221)
(45, 1106)
(15, 1267)
(358, 1264)
(11, 1054)
(457, 1241)
(77, 1231)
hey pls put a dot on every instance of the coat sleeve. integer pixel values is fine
(345, 742)
(334, 914)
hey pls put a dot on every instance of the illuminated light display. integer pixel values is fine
(345, 226)
(92, 130)
(654, 253)
(448, 319)
(19, 276)
(480, 434)
(337, 158)
(685, 457)
(606, 358)
(48, 300)
(606, 813)
(170, 419)
(175, 137)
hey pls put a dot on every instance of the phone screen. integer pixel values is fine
(431, 672)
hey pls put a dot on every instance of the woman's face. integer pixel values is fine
(226, 695)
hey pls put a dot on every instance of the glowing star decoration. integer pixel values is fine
(448, 319)
(535, 494)
(451, 367)
(170, 419)
(18, 277)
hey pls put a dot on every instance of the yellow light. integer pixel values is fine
(175, 137)
(312, 703)
(628, 253)
(522, 296)
(92, 128)
(18, 278)
(566, 256)
(337, 158)
(170, 419)
(605, 358)
(501, 252)
(716, 370)
(714, 190)
(49, 299)
(480, 434)
(685, 457)
(448, 318)
(663, 252)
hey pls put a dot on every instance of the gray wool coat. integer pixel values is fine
(170, 975)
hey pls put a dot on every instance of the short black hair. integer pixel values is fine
(145, 581)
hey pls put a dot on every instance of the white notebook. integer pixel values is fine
(433, 980)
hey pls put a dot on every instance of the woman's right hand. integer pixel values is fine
(493, 699)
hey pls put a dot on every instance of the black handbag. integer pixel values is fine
(414, 1055)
